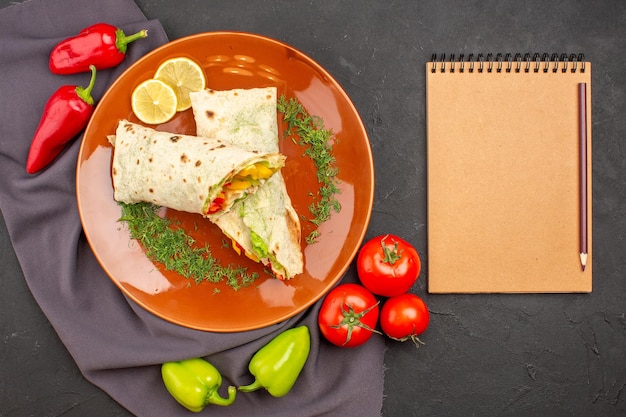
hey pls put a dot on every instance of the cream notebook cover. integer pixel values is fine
(504, 184)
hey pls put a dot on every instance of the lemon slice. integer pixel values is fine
(154, 102)
(184, 76)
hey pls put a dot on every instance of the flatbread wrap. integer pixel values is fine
(265, 226)
(186, 173)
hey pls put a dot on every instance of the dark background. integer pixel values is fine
(485, 355)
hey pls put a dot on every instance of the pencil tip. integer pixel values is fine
(583, 260)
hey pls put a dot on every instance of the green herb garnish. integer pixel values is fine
(168, 244)
(310, 132)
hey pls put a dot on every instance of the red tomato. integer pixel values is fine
(404, 317)
(388, 265)
(348, 315)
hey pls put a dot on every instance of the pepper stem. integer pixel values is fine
(252, 387)
(85, 92)
(216, 399)
(122, 41)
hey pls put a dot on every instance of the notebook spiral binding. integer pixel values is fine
(509, 62)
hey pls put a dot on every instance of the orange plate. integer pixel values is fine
(231, 60)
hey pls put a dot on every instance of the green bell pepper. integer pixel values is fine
(194, 384)
(277, 365)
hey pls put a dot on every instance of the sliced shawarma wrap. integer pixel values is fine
(186, 173)
(265, 225)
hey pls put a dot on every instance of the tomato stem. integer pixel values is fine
(417, 341)
(413, 337)
(391, 255)
(353, 319)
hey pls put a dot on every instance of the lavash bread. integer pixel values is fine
(181, 172)
(247, 118)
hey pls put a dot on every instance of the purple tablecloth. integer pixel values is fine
(117, 345)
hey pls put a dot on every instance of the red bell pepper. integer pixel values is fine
(216, 205)
(102, 45)
(65, 114)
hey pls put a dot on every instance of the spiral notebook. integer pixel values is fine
(509, 173)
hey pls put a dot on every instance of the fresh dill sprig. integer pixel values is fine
(310, 132)
(167, 243)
